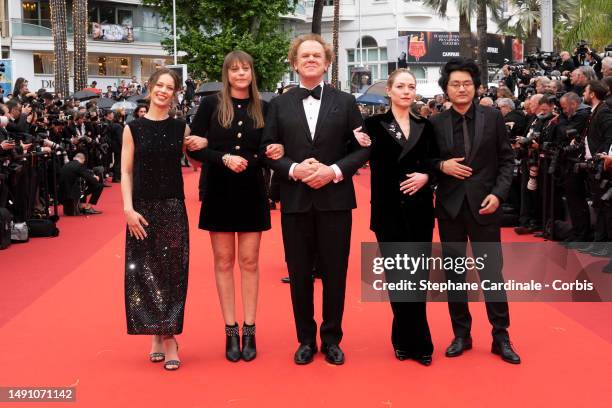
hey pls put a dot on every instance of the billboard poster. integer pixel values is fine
(6, 76)
(436, 48)
(112, 32)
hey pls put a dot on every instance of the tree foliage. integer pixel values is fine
(209, 29)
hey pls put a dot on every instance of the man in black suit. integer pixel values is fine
(316, 124)
(69, 186)
(475, 165)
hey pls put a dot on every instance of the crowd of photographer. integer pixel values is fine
(558, 113)
(52, 152)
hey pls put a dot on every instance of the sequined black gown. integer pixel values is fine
(156, 267)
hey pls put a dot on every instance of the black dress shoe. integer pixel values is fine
(90, 211)
(458, 346)
(504, 349)
(402, 355)
(249, 347)
(522, 230)
(305, 353)
(232, 343)
(333, 354)
(423, 360)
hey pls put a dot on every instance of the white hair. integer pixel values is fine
(505, 102)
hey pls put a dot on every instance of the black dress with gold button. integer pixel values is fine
(231, 202)
(156, 268)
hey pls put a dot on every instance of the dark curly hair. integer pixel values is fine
(459, 64)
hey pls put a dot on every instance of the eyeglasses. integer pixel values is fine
(457, 85)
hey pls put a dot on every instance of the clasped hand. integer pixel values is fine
(314, 173)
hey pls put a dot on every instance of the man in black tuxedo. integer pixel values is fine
(476, 162)
(315, 123)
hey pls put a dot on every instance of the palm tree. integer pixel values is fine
(525, 20)
(317, 16)
(79, 18)
(60, 46)
(590, 21)
(481, 33)
(465, 8)
(335, 30)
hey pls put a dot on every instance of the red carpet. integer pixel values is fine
(62, 324)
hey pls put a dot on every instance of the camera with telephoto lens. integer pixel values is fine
(582, 49)
(527, 141)
(594, 166)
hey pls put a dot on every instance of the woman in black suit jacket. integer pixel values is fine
(402, 203)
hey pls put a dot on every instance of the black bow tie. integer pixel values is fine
(315, 92)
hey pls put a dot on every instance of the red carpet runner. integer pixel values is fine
(62, 324)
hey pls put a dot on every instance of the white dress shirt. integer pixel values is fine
(311, 110)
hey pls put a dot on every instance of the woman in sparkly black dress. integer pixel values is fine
(235, 207)
(157, 237)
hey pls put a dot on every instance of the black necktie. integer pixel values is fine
(466, 138)
(315, 92)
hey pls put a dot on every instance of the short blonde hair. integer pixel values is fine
(295, 45)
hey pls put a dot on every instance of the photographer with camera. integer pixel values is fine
(541, 130)
(570, 135)
(21, 93)
(584, 56)
(6, 149)
(70, 192)
(579, 78)
(115, 138)
(566, 65)
(597, 143)
(515, 120)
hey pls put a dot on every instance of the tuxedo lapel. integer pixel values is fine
(298, 106)
(478, 131)
(328, 99)
(416, 129)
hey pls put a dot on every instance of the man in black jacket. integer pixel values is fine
(70, 189)
(598, 141)
(116, 141)
(567, 63)
(315, 124)
(476, 163)
(575, 116)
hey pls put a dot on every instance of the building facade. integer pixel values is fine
(27, 41)
(370, 34)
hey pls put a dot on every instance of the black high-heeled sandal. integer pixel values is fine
(157, 357)
(172, 365)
